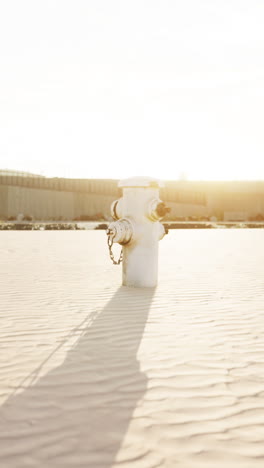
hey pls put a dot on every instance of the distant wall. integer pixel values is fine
(183, 210)
(3, 201)
(68, 199)
(98, 186)
(53, 204)
(237, 202)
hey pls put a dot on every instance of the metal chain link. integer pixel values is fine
(110, 244)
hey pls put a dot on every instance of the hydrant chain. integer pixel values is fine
(110, 244)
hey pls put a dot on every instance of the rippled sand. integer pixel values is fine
(97, 375)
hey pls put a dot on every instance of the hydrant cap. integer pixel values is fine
(146, 182)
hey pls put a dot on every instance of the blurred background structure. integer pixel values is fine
(35, 197)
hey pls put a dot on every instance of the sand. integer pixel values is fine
(93, 374)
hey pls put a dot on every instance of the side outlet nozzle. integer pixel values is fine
(157, 210)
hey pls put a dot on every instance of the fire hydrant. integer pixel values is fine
(138, 230)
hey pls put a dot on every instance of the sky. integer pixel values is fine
(112, 89)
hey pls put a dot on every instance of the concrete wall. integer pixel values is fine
(233, 205)
(52, 204)
(98, 186)
(68, 199)
(183, 210)
(41, 204)
(3, 201)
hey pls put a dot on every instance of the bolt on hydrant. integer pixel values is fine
(138, 230)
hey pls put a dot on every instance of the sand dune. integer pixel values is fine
(93, 374)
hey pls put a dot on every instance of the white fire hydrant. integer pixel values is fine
(138, 230)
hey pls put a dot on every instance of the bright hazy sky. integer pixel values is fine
(107, 88)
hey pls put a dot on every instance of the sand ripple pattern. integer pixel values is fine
(93, 374)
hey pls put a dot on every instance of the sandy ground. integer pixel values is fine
(93, 374)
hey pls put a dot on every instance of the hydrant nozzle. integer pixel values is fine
(157, 210)
(121, 231)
